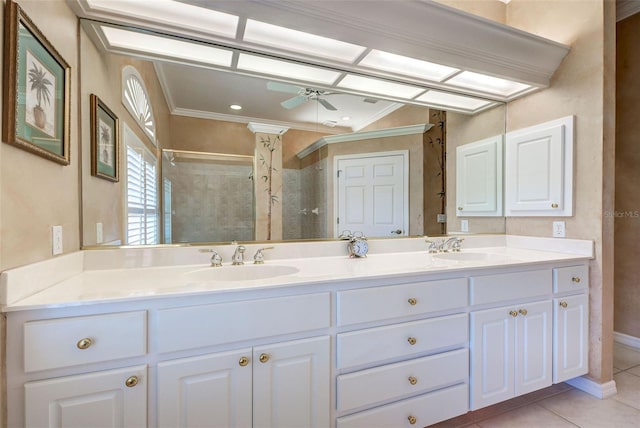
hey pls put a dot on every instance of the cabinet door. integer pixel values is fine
(539, 170)
(479, 178)
(570, 336)
(291, 384)
(533, 347)
(210, 390)
(492, 347)
(112, 398)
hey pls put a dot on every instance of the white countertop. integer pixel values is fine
(81, 278)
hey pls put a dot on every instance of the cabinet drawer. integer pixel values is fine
(393, 381)
(394, 341)
(420, 411)
(208, 325)
(65, 342)
(572, 278)
(380, 303)
(510, 286)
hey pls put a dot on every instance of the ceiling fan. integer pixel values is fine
(302, 95)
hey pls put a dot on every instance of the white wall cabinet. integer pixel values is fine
(511, 352)
(479, 178)
(539, 170)
(278, 385)
(111, 398)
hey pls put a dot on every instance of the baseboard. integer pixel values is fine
(627, 340)
(598, 390)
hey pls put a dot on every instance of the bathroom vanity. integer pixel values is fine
(400, 338)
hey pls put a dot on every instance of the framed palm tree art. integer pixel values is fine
(105, 141)
(36, 89)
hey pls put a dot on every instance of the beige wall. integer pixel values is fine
(627, 206)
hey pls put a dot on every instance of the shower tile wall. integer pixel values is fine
(211, 202)
(305, 190)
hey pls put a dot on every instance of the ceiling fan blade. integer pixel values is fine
(283, 87)
(293, 102)
(326, 104)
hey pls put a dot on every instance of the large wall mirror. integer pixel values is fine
(206, 169)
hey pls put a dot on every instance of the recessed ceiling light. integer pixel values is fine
(447, 99)
(292, 70)
(174, 13)
(377, 86)
(489, 84)
(407, 66)
(235, 107)
(299, 41)
(166, 47)
(345, 118)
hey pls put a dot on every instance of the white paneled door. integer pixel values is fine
(372, 194)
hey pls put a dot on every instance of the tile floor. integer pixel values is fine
(562, 406)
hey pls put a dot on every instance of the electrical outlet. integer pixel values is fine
(99, 237)
(558, 229)
(56, 240)
(464, 225)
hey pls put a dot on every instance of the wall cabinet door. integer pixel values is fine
(571, 337)
(510, 352)
(211, 390)
(479, 178)
(539, 170)
(112, 398)
(291, 384)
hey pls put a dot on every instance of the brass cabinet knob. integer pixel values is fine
(460, 208)
(243, 361)
(513, 313)
(84, 343)
(412, 420)
(413, 380)
(412, 301)
(131, 381)
(523, 312)
(554, 205)
(576, 279)
(264, 358)
(412, 340)
(564, 304)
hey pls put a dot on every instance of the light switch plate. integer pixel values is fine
(441, 218)
(56, 240)
(558, 229)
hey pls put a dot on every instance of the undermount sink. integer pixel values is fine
(241, 273)
(472, 257)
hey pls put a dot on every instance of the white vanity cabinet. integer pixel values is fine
(278, 385)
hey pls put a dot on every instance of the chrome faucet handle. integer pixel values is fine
(456, 245)
(238, 255)
(452, 244)
(258, 258)
(216, 260)
(432, 246)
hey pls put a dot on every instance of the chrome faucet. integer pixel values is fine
(432, 246)
(216, 260)
(238, 256)
(258, 258)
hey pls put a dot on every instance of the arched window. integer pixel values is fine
(136, 100)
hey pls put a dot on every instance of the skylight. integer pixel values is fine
(292, 70)
(173, 13)
(439, 98)
(407, 66)
(299, 41)
(167, 47)
(377, 86)
(489, 84)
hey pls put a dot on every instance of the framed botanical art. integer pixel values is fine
(36, 89)
(105, 141)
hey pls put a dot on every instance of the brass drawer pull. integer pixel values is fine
(413, 380)
(513, 313)
(131, 381)
(412, 340)
(564, 304)
(84, 343)
(412, 301)
(243, 361)
(554, 205)
(576, 279)
(264, 358)
(412, 420)
(523, 312)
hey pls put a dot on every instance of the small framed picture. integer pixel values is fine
(36, 90)
(105, 141)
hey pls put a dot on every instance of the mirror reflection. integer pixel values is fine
(293, 163)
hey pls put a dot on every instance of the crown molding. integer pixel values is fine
(365, 135)
(265, 128)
